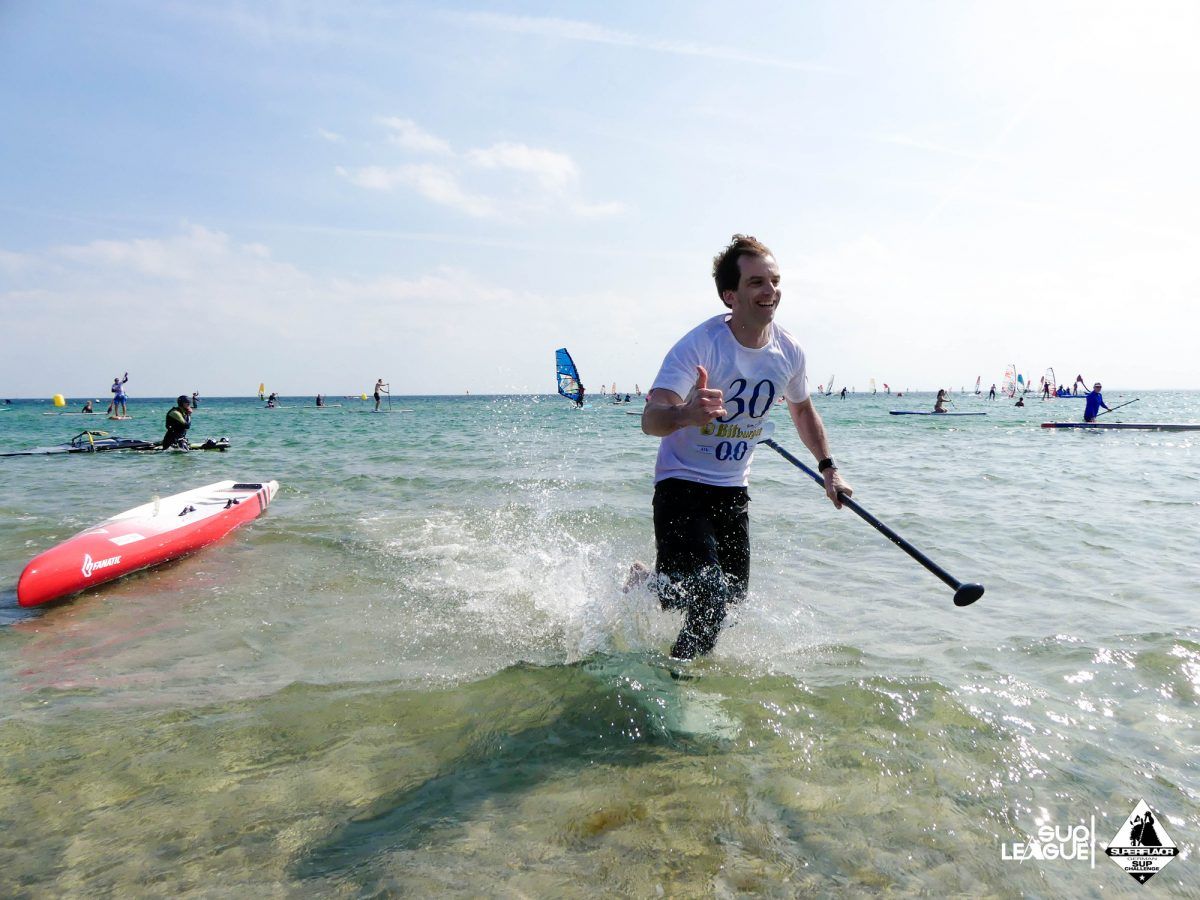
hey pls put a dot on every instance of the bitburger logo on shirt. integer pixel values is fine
(1142, 846)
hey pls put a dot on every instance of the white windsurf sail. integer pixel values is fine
(1009, 385)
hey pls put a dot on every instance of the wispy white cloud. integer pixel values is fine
(434, 183)
(556, 172)
(508, 179)
(13, 262)
(181, 257)
(332, 136)
(409, 135)
(587, 32)
(903, 140)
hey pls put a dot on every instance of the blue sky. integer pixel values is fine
(312, 195)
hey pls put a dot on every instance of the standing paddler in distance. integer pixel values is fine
(1092, 403)
(380, 386)
(117, 407)
(708, 404)
(179, 420)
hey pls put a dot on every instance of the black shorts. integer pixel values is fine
(700, 526)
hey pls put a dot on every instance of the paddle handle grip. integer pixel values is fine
(872, 521)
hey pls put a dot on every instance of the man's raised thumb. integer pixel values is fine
(701, 378)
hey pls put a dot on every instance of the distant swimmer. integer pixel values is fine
(1020, 401)
(380, 387)
(1092, 404)
(992, 392)
(87, 407)
(939, 405)
(179, 420)
(117, 407)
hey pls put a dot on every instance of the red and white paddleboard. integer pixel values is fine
(144, 536)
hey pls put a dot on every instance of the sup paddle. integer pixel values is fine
(1118, 406)
(964, 593)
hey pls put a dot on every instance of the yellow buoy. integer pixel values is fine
(59, 400)
(363, 397)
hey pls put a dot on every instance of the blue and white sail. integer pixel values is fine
(569, 383)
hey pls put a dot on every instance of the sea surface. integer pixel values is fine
(417, 675)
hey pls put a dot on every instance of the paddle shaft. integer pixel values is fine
(1118, 406)
(873, 522)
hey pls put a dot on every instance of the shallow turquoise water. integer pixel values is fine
(417, 674)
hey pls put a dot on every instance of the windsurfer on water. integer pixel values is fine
(701, 505)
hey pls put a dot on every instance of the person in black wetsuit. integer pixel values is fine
(179, 420)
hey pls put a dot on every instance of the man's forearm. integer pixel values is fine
(811, 429)
(660, 419)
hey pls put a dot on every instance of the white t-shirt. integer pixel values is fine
(720, 452)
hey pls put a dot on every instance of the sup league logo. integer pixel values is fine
(1142, 846)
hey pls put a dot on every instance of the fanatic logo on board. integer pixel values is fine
(89, 566)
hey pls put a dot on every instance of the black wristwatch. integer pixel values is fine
(826, 463)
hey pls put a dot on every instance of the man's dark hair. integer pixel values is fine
(726, 272)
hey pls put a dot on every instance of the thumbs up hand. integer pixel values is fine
(704, 403)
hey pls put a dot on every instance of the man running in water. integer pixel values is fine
(1092, 403)
(701, 506)
(117, 408)
(179, 420)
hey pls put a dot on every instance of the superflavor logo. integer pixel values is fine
(1142, 846)
(90, 566)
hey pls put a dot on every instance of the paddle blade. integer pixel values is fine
(968, 594)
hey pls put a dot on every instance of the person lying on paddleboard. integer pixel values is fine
(701, 505)
(1092, 403)
(179, 420)
(939, 405)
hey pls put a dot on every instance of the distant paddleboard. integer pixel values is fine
(144, 536)
(904, 412)
(1128, 426)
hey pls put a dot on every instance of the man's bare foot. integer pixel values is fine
(638, 573)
